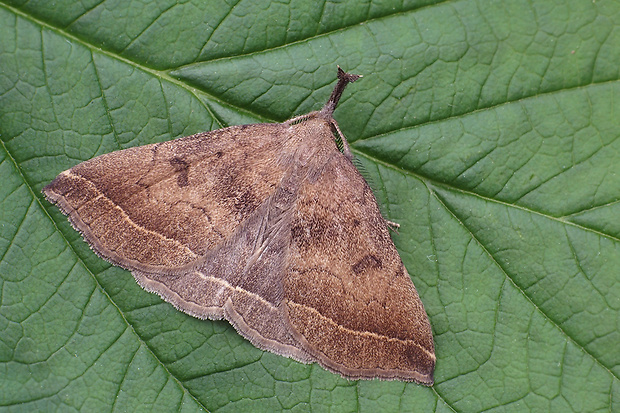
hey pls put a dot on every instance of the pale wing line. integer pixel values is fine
(363, 333)
(124, 214)
(234, 287)
(240, 324)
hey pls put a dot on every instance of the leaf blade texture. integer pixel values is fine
(488, 133)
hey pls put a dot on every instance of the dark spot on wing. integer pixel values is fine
(181, 167)
(366, 263)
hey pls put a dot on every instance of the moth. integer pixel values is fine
(269, 226)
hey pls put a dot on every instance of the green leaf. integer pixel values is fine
(490, 131)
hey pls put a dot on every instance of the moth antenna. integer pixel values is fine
(343, 79)
(394, 226)
(346, 149)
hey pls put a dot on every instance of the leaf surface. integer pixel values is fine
(489, 131)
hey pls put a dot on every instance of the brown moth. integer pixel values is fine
(269, 226)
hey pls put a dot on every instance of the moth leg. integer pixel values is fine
(394, 226)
